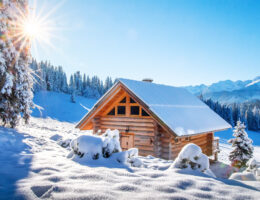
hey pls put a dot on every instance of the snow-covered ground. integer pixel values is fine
(33, 166)
(58, 106)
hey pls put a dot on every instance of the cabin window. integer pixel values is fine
(121, 110)
(112, 112)
(123, 100)
(132, 101)
(135, 110)
(144, 113)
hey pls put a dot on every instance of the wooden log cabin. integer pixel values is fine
(157, 119)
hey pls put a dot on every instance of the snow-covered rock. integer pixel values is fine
(243, 176)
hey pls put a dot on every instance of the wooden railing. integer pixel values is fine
(215, 148)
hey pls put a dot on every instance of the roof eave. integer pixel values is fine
(216, 130)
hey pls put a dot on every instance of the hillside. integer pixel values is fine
(58, 106)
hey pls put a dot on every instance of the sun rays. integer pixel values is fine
(34, 27)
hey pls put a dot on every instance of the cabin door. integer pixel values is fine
(126, 141)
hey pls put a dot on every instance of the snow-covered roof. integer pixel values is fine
(182, 112)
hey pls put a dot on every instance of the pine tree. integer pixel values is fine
(15, 75)
(72, 97)
(243, 148)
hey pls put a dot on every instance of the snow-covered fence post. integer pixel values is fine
(216, 148)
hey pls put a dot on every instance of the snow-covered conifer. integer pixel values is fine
(243, 148)
(15, 75)
(72, 97)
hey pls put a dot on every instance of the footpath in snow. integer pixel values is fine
(34, 165)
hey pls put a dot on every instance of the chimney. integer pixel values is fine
(149, 80)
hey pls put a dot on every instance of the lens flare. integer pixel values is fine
(35, 26)
(31, 29)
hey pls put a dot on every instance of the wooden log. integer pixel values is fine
(123, 123)
(131, 128)
(128, 119)
(145, 148)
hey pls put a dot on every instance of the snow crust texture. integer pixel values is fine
(35, 166)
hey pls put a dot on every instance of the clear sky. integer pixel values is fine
(176, 42)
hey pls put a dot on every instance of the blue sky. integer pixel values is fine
(175, 42)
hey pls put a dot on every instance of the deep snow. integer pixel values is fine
(34, 165)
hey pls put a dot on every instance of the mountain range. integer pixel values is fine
(228, 92)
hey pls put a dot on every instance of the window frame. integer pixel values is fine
(127, 104)
(124, 106)
(131, 110)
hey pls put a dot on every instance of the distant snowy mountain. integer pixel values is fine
(256, 81)
(229, 91)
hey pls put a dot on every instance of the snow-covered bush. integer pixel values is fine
(243, 148)
(129, 157)
(106, 146)
(252, 166)
(87, 146)
(191, 157)
(111, 143)
(65, 143)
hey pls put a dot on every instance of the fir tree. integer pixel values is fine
(72, 97)
(243, 148)
(15, 75)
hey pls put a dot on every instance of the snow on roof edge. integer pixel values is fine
(121, 80)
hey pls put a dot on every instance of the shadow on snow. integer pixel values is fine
(15, 159)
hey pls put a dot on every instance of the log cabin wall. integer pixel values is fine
(205, 141)
(142, 128)
(129, 117)
(165, 144)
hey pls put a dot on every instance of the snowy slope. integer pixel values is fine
(34, 166)
(58, 106)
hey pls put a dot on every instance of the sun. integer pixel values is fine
(36, 27)
(31, 29)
